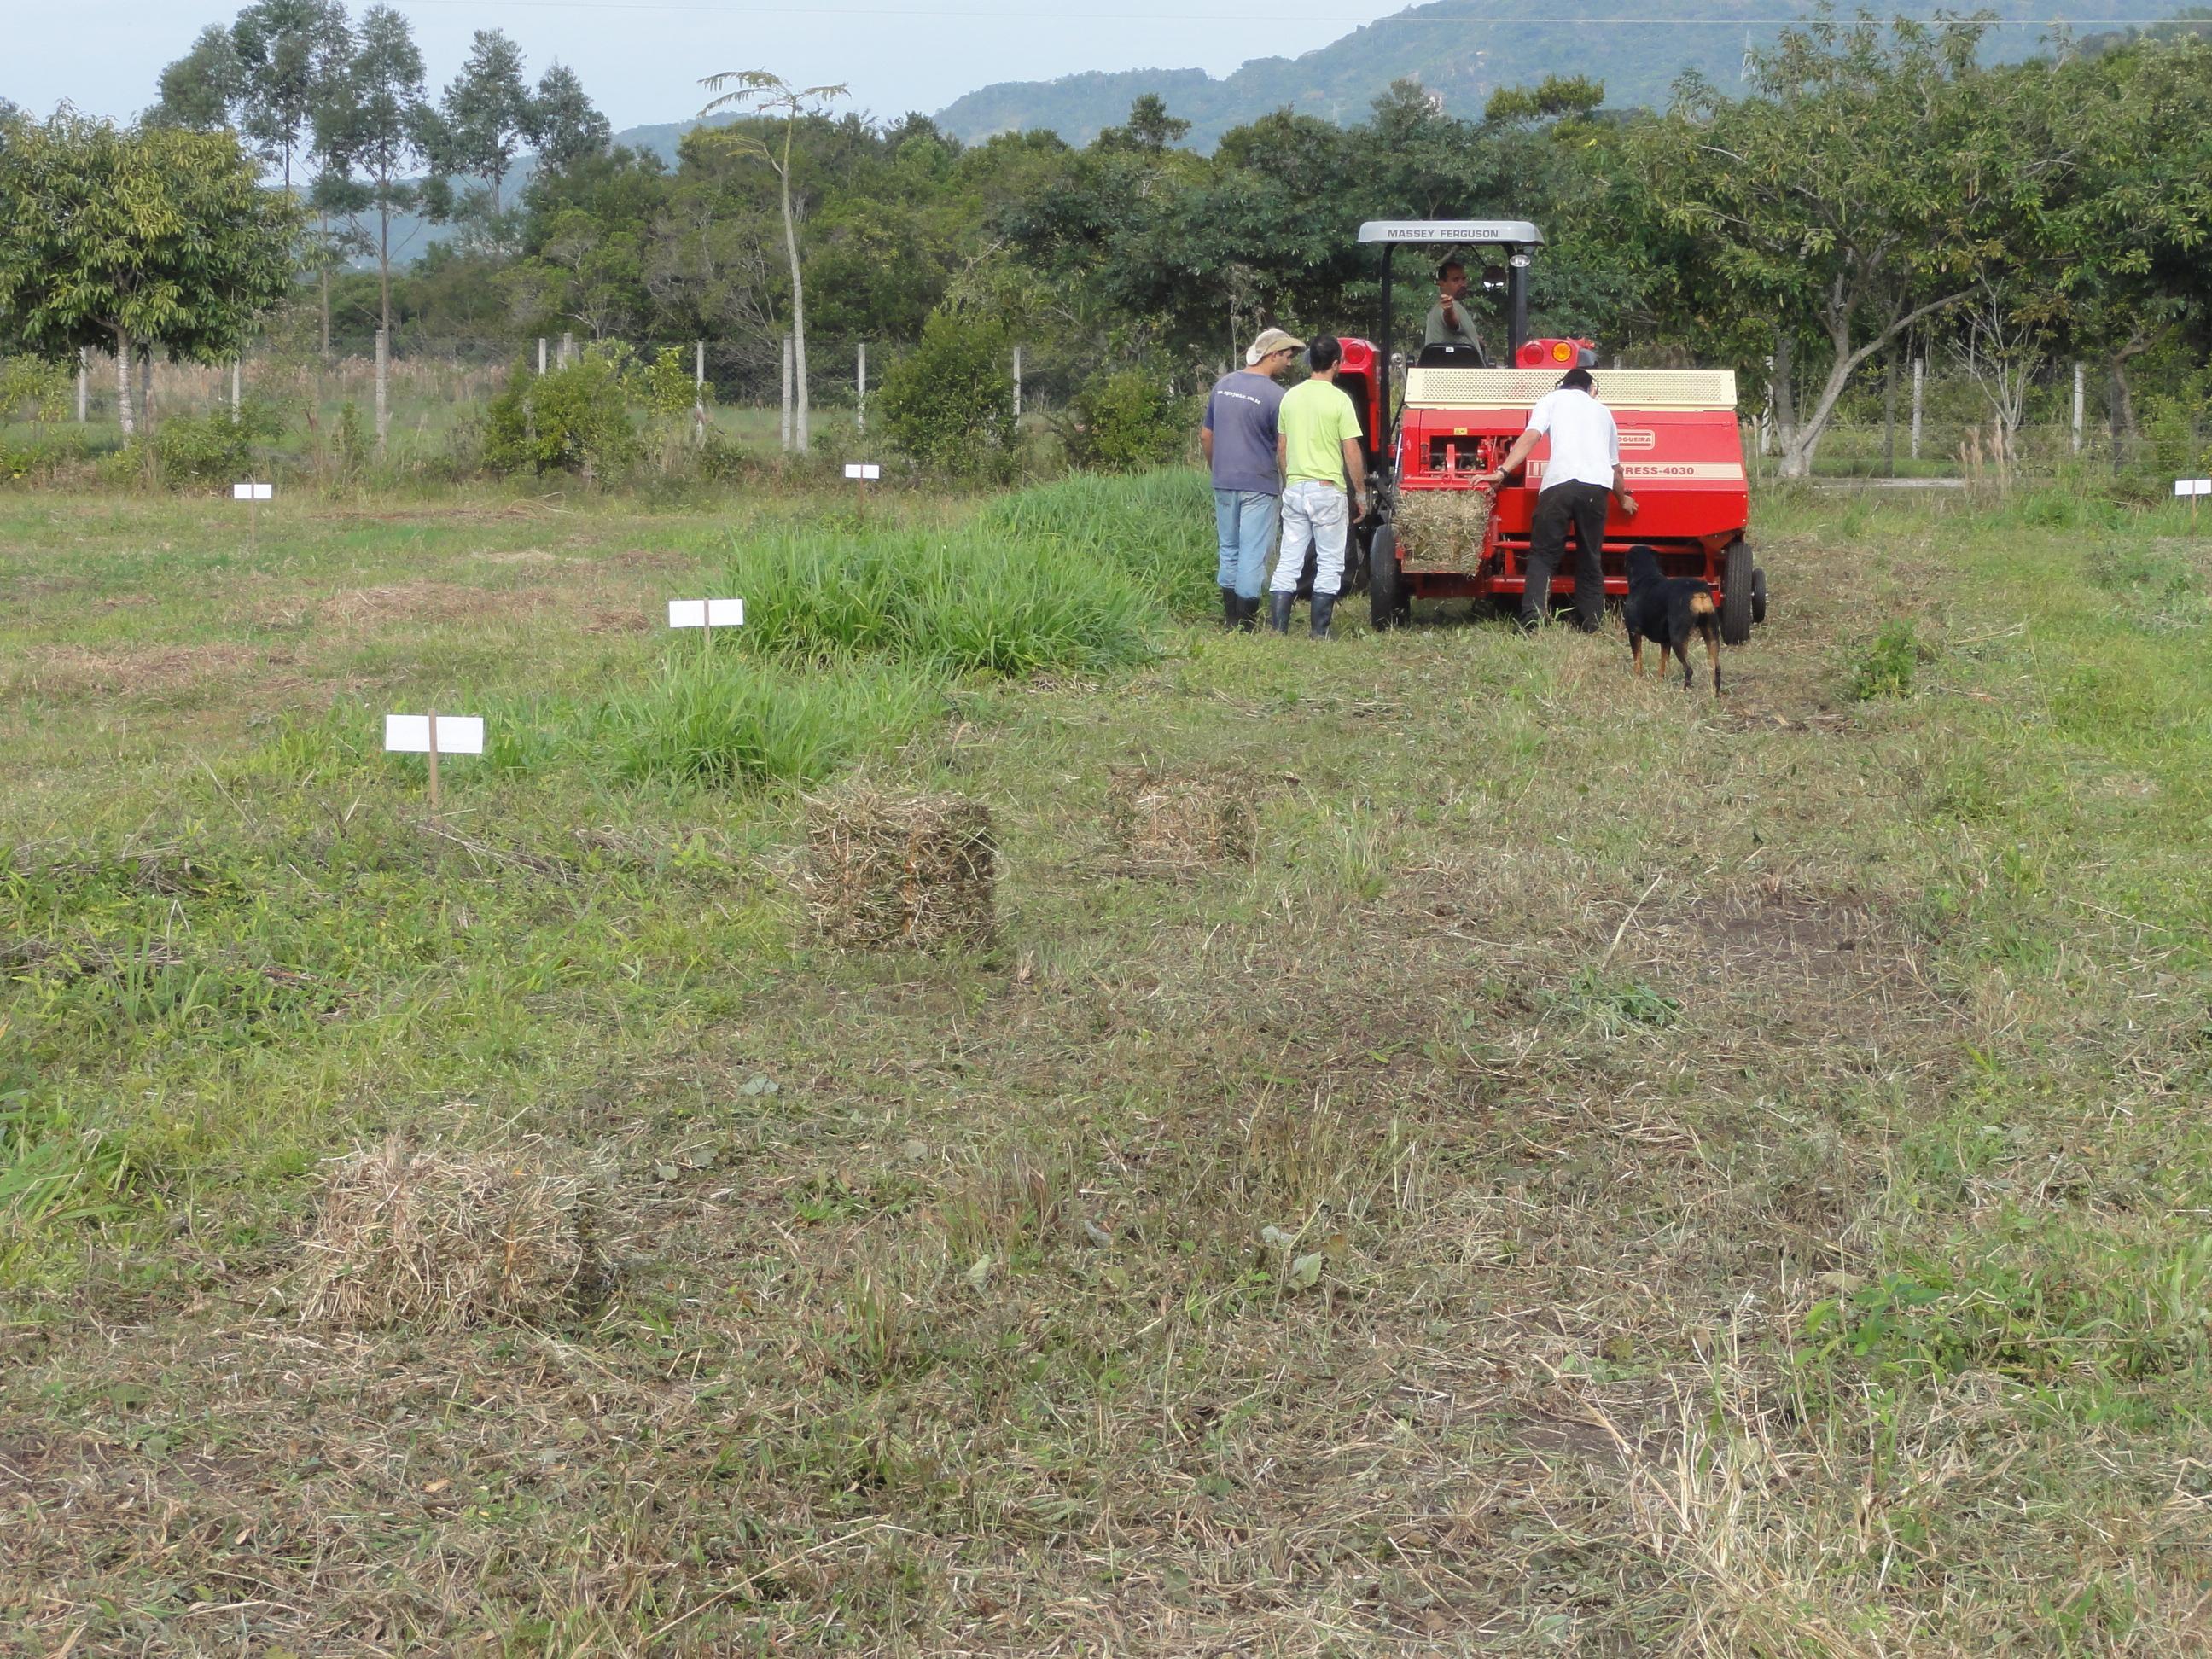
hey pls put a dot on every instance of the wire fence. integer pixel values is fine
(1950, 427)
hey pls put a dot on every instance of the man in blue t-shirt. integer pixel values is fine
(1238, 437)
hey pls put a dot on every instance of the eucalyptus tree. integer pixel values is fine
(563, 125)
(483, 119)
(289, 54)
(369, 132)
(200, 91)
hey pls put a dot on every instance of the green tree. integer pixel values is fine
(201, 88)
(136, 242)
(368, 130)
(484, 118)
(2117, 261)
(1860, 192)
(772, 95)
(289, 53)
(562, 124)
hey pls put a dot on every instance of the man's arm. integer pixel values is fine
(1206, 443)
(1621, 493)
(1355, 474)
(1523, 447)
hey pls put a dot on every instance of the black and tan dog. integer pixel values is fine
(1669, 611)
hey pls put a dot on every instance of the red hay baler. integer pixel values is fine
(1680, 448)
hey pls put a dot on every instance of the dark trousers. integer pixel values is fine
(1583, 505)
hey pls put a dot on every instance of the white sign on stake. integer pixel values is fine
(410, 734)
(705, 613)
(253, 492)
(867, 471)
(433, 734)
(2192, 486)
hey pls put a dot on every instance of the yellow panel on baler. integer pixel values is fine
(1659, 389)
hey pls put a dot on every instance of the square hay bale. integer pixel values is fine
(1173, 824)
(445, 1240)
(899, 871)
(1442, 530)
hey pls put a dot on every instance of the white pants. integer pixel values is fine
(1319, 514)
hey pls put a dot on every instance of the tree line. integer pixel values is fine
(1877, 188)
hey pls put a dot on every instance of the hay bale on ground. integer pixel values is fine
(1171, 824)
(899, 871)
(1442, 530)
(446, 1240)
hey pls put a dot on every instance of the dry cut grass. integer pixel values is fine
(888, 872)
(447, 1240)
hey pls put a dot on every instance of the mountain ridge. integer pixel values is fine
(1460, 51)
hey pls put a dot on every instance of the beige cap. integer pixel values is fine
(1269, 344)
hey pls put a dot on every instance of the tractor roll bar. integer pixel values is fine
(1516, 236)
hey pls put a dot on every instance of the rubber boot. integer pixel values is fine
(1324, 606)
(1248, 613)
(1229, 607)
(1279, 611)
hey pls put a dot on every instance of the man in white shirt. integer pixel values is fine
(1579, 480)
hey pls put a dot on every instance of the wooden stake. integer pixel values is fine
(433, 760)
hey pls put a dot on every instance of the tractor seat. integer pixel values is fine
(1451, 354)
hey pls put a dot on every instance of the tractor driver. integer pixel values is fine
(1451, 322)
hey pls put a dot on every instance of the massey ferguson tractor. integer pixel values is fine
(1434, 532)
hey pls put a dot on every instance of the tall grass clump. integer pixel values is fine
(988, 603)
(724, 720)
(1156, 527)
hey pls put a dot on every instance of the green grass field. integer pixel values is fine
(1614, 1172)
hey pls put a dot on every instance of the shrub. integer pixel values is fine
(575, 420)
(948, 405)
(42, 458)
(213, 448)
(350, 448)
(1126, 419)
(1885, 667)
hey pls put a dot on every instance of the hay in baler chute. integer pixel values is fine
(1442, 530)
(1170, 824)
(443, 1240)
(893, 872)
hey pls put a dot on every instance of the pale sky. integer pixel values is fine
(642, 61)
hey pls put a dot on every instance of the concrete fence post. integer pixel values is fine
(2077, 408)
(84, 384)
(860, 389)
(1018, 383)
(541, 354)
(383, 387)
(1919, 387)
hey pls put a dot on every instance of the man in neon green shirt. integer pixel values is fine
(1323, 471)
